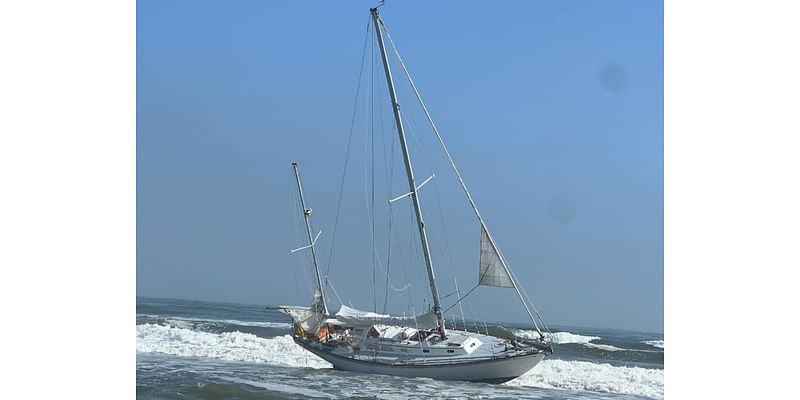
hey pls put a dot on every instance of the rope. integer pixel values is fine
(336, 293)
(347, 155)
(462, 298)
(372, 173)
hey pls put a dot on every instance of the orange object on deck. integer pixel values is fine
(322, 332)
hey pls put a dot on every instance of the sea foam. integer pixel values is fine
(233, 346)
(582, 375)
(655, 343)
(282, 351)
(572, 338)
(567, 337)
(263, 324)
(557, 337)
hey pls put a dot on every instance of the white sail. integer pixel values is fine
(492, 272)
(351, 316)
(307, 317)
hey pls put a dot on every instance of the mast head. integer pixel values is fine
(374, 10)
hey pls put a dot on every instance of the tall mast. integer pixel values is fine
(307, 216)
(437, 308)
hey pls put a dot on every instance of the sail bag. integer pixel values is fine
(492, 271)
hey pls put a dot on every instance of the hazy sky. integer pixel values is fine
(552, 110)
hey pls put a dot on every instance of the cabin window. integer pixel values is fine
(450, 350)
(426, 351)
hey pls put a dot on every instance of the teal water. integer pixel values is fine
(204, 350)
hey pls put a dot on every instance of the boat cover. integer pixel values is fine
(354, 317)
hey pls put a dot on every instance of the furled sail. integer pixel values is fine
(492, 271)
(308, 318)
(351, 316)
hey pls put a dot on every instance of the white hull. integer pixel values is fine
(489, 371)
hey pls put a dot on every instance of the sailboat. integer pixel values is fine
(416, 345)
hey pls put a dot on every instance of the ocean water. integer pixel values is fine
(203, 350)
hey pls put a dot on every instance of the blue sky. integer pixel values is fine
(552, 110)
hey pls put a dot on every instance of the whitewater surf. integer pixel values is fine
(214, 350)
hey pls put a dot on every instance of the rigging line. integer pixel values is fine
(413, 243)
(291, 238)
(297, 238)
(447, 246)
(412, 128)
(370, 217)
(388, 261)
(441, 219)
(372, 160)
(447, 295)
(470, 291)
(430, 120)
(477, 317)
(336, 293)
(547, 328)
(397, 239)
(460, 307)
(386, 161)
(347, 153)
(433, 125)
(464, 296)
(378, 262)
(455, 169)
(393, 225)
(389, 186)
(414, 313)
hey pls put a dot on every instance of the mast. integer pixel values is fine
(437, 308)
(311, 240)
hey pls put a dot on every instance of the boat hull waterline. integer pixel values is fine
(486, 371)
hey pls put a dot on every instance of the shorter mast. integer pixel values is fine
(311, 240)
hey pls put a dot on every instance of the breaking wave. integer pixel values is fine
(262, 324)
(567, 337)
(232, 346)
(557, 337)
(572, 338)
(582, 375)
(282, 351)
(655, 343)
